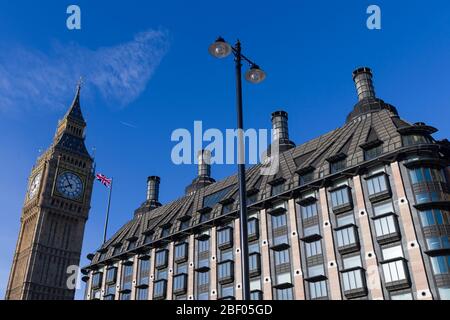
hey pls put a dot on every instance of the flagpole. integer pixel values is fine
(107, 211)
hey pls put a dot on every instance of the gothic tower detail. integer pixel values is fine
(54, 214)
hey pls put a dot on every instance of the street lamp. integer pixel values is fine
(221, 49)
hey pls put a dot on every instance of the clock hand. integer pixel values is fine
(67, 179)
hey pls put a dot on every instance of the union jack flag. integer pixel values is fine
(104, 179)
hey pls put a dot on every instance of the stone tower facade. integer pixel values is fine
(54, 214)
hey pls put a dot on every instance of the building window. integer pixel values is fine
(256, 295)
(225, 238)
(306, 178)
(386, 225)
(277, 189)
(315, 271)
(203, 246)
(227, 208)
(313, 248)
(377, 185)
(345, 220)
(420, 175)
(111, 275)
(252, 198)
(284, 278)
(281, 240)
(436, 243)
(227, 291)
(204, 216)
(353, 275)
(165, 231)
(161, 259)
(394, 267)
(309, 211)
(181, 252)
(278, 221)
(142, 293)
(340, 197)
(310, 231)
(346, 236)
(383, 208)
(203, 296)
(144, 272)
(412, 139)
(160, 289)
(402, 296)
(203, 278)
(96, 294)
(281, 257)
(225, 272)
(373, 153)
(148, 238)
(444, 293)
(440, 264)
(434, 217)
(254, 264)
(253, 229)
(110, 292)
(179, 284)
(212, 199)
(338, 166)
(97, 280)
(284, 294)
(127, 278)
(132, 244)
(427, 196)
(318, 289)
(184, 224)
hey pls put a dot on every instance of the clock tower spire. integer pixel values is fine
(54, 214)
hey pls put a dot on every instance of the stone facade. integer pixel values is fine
(361, 212)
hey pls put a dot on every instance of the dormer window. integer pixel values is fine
(337, 162)
(373, 152)
(165, 231)
(337, 166)
(277, 186)
(184, 223)
(412, 139)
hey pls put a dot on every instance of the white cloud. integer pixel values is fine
(31, 79)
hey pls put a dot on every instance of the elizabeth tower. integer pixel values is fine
(54, 214)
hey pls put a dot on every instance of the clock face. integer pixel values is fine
(34, 186)
(69, 185)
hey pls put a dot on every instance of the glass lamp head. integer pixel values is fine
(220, 49)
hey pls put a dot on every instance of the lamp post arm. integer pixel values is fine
(237, 52)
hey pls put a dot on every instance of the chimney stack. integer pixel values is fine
(204, 163)
(203, 178)
(153, 189)
(363, 82)
(281, 130)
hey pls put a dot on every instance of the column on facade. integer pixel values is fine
(295, 251)
(265, 257)
(415, 256)
(118, 281)
(135, 277)
(171, 272)
(373, 274)
(213, 264)
(191, 278)
(152, 274)
(333, 274)
(89, 286)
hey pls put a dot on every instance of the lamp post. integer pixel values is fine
(221, 49)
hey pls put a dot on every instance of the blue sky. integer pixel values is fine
(147, 72)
